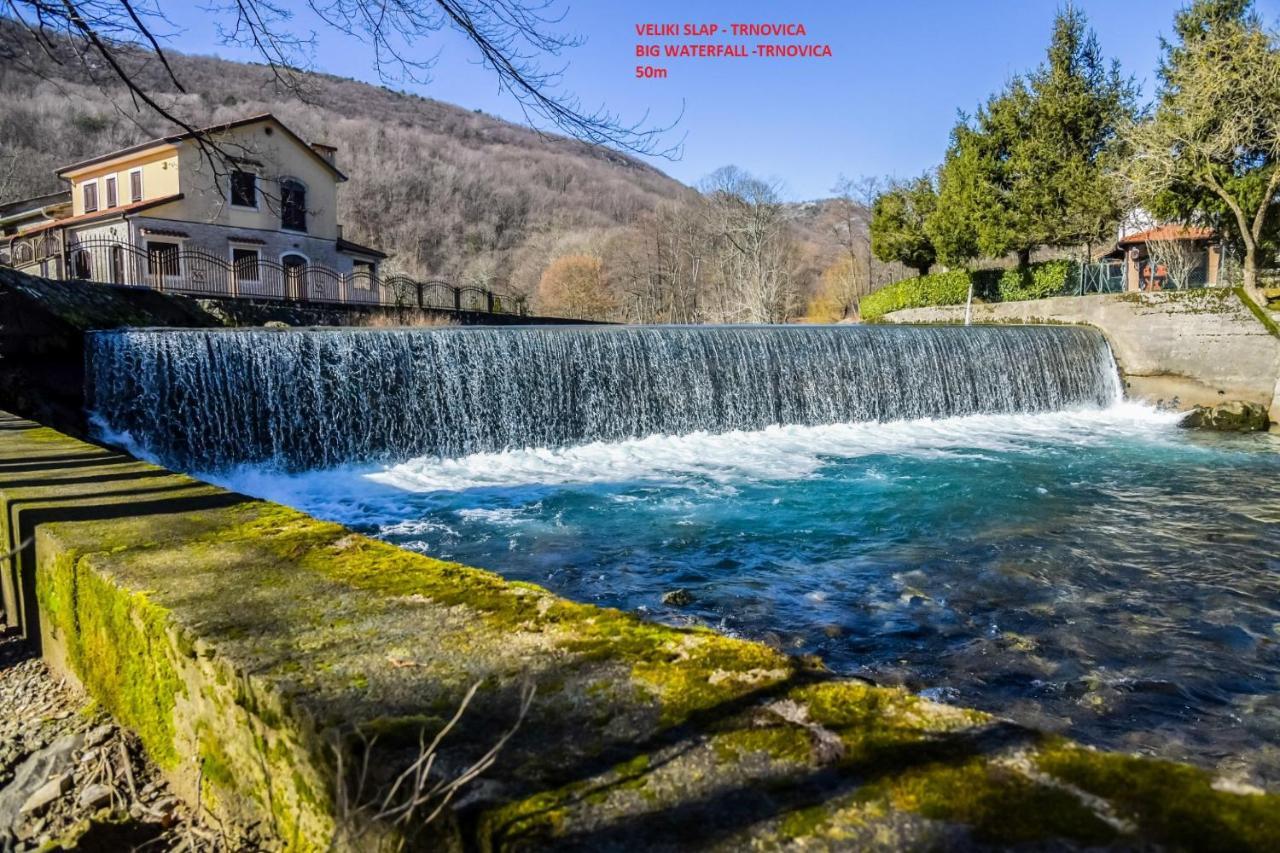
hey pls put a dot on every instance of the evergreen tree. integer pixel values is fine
(898, 219)
(1067, 185)
(1033, 166)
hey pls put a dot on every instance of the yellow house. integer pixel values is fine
(238, 200)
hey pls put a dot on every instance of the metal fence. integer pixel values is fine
(195, 272)
(1110, 277)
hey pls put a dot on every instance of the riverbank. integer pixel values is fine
(284, 653)
(72, 779)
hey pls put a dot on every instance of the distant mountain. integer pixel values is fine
(447, 191)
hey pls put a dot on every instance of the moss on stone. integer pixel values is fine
(1173, 804)
(998, 804)
(114, 641)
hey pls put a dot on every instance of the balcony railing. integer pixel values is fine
(194, 272)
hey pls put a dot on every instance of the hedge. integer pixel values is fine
(1038, 281)
(1049, 278)
(944, 288)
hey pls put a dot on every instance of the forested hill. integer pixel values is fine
(447, 191)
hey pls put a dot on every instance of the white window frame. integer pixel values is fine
(180, 242)
(111, 185)
(142, 190)
(257, 190)
(84, 196)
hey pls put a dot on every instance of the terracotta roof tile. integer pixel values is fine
(1168, 232)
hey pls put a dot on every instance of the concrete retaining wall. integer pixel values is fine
(1199, 347)
(289, 671)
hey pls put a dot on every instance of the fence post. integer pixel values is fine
(417, 286)
(488, 298)
(457, 299)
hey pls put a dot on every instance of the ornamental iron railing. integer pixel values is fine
(171, 268)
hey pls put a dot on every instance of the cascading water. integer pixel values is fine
(1036, 548)
(297, 400)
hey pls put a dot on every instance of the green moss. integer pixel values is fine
(1258, 311)
(782, 742)
(525, 823)
(805, 823)
(115, 642)
(1000, 805)
(1171, 803)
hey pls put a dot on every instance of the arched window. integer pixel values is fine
(293, 205)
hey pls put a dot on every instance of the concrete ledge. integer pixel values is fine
(263, 657)
(1180, 348)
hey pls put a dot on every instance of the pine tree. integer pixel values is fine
(1033, 166)
(898, 219)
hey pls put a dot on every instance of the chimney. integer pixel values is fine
(328, 152)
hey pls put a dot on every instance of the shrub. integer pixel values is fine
(945, 288)
(1049, 278)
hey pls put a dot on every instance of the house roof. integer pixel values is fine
(106, 213)
(35, 203)
(350, 248)
(1168, 232)
(205, 131)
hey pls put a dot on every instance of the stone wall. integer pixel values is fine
(1198, 347)
(264, 658)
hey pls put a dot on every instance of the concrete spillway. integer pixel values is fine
(208, 400)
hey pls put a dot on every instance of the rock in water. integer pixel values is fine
(678, 598)
(1235, 416)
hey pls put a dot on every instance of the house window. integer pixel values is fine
(244, 189)
(81, 268)
(112, 199)
(135, 185)
(162, 257)
(90, 196)
(245, 263)
(293, 205)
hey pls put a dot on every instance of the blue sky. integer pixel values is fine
(882, 105)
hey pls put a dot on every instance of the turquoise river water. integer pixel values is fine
(969, 512)
(1101, 572)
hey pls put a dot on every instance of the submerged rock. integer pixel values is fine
(1235, 416)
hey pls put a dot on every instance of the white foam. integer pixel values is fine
(367, 494)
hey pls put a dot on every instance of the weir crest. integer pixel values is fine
(208, 400)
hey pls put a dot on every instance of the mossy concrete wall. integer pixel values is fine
(1182, 348)
(264, 657)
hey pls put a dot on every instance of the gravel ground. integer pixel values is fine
(70, 779)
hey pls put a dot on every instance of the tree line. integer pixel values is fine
(1059, 157)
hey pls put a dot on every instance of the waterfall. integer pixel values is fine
(206, 400)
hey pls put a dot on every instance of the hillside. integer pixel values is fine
(447, 191)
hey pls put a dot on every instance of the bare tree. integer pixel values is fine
(512, 37)
(1179, 259)
(755, 254)
(1214, 135)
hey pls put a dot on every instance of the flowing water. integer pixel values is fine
(969, 512)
